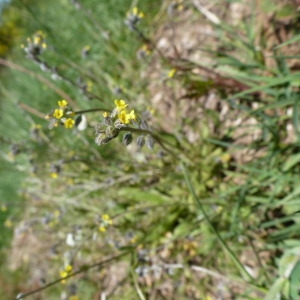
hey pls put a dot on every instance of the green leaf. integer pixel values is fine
(274, 292)
(290, 41)
(291, 162)
(295, 282)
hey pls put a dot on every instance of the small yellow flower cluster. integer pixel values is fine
(133, 18)
(144, 51)
(190, 246)
(123, 114)
(39, 39)
(114, 123)
(137, 13)
(35, 44)
(85, 51)
(61, 115)
(65, 272)
(176, 6)
(105, 222)
(180, 5)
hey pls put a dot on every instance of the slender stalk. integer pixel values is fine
(81, 270)
(32, 110)
(136, 285)
(60, 92)
(90, 110)
(239, 265)
(259, 260)
(148, 41)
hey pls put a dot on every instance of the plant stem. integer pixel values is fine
(81, 270)
(60, 92)
(239, 265)
(90, 110)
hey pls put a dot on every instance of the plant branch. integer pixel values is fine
(60, 92)
(81, 270)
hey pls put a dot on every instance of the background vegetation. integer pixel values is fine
(211, 211)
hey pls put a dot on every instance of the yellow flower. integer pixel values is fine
(63, 274)
(133, 240)
(105, 114)
(86, 48)
(123, 117)
(132, 115)
(172, 73)
(89, 86)
(74, 297)
(146, 49)
(120, 104)
(58, 113)
(3, 207)
(37, 40)
(69, 268)
(54, 175)
(8, 223)
(62, 103)
(106, 218)
(69, 123)
(136, 12)
(102, 229)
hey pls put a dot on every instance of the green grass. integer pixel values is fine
(222, 210)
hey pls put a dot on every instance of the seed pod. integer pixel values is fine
(144, 125)
(150, 142)
(140, 141)
(161, 154)
(127, 139)
(102, 139)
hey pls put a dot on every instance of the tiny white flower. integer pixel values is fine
(70, 240)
